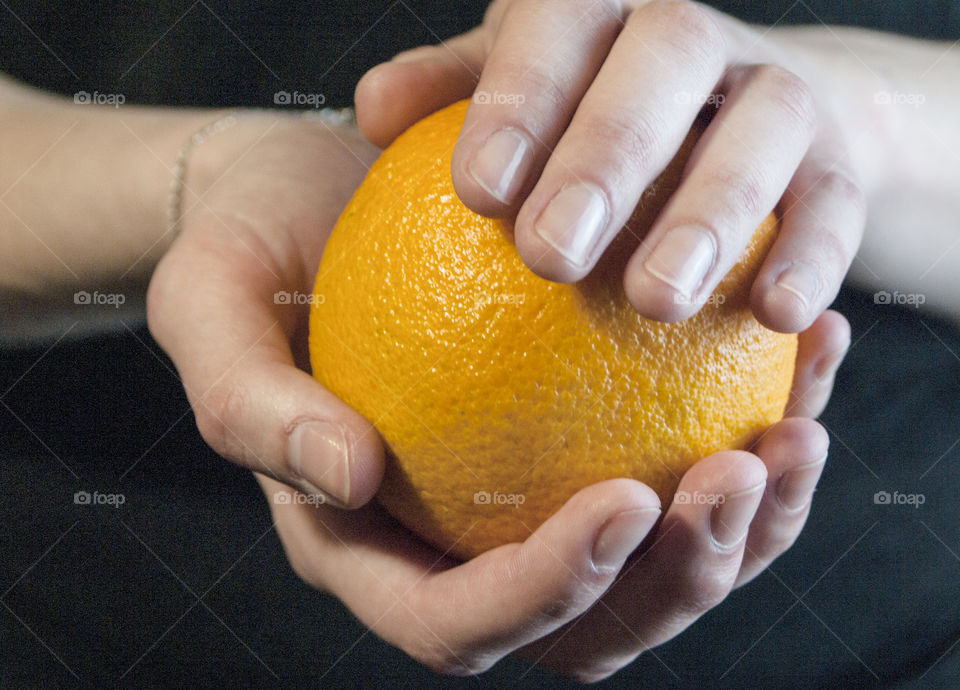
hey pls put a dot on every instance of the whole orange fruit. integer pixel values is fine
(500, 394)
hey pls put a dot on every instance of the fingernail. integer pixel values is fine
(319, 454)
(801, 279)
(573, 221)
(682, 258)
(795, 488)
(501, 163)
(828, 365)
(621, 536)
(730, 520)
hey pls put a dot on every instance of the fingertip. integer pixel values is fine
(331, 450)
(541, 258)
(653, 299)
(780, 308)
(374, 94)
(468, 182)
(579, 529)
(794, 440)
(493, 162)
(612, 496)
(394, 95)
(715, 504)
(820, 350)
(727, 471)
(366, 464)
(822, 347)
(832, 329)
(601, 525)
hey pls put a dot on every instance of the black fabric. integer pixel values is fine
(216, 53)
(186, 584)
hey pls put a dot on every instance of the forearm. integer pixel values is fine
(897, 99)
(83, 191)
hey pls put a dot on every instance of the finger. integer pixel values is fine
(394, 95)
(626, 129)
(211, 307)
(463, 619)
(794, 451)
(736, 174)
(689, 568)
(543, 58)
(820, 350)
(824, 212)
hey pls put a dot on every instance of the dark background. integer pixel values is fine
(187, 584)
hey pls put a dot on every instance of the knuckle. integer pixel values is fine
(703, 589)
(632, 142)
(694, 32)
(561, 608)
(545, 91)
(304, 568)
(578, 591)
(215, 411)
(603, 12)
(833, 260)
(440, 658)
(840, 185)
(741, 192)
(157, 301)
(834, 253)
(792, 94)
(574, 592)
(836, 246)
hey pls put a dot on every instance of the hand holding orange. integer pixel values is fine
(500, 394)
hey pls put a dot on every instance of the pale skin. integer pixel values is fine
(262, 199)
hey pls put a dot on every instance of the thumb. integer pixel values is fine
(513, 595)
(393, 95)
(213, 313)
(464, 618)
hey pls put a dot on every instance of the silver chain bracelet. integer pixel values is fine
(332, 116)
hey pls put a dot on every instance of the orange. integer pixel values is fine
(500, 394)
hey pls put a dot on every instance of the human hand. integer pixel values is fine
(586, 103)
(228, 303)
(271, 192)
(571, 597)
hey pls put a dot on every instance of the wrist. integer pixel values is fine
(109, 171)
(165, 157)
(272, 180)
